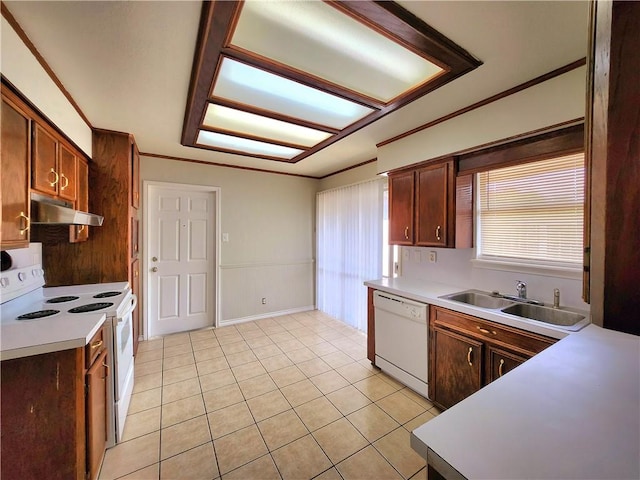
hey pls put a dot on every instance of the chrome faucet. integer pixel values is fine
(521, 288)
(556, 298)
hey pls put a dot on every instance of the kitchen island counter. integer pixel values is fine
(572, 411)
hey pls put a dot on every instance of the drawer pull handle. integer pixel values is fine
(484, 330)
(27, 223)
(406, 233)
(438, 233)
(106, 370)
(469, 356)
(66, 184)
(500, 368)
(56, 178)
(97, 344)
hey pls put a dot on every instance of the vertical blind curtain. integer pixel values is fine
(533, 211)
(349, 249)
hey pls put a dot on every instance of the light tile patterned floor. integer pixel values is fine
(290, 397)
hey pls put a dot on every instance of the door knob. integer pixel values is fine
(154, 269)
(154, 259)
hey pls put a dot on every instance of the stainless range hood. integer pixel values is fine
(45, 210)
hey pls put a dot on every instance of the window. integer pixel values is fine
(533, 212)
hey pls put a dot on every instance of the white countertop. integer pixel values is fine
(570, 412)
(429, 292)
(34, 337)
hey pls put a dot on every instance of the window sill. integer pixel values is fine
(518, 267)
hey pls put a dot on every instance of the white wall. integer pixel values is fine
(21, 68)
(270, 220)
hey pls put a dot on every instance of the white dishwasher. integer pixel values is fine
(401, 337)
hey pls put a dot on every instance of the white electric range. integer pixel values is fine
(34, 320)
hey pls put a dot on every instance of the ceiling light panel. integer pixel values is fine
(316, 38)
(230, 119)
(245, 145)
(248, 85)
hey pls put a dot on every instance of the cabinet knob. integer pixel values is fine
(154, 269)
(154, 259)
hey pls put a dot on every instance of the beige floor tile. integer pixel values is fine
(257, 386)
(331, 474)
(400, 407)
(418, 421)
(204, 344)
(259, 342)
(393, 382)
(148, 356)
(227, 339)
(309, 340)
(282, 429)
(225, 331)
(181, 410)
(152, 472)
(301, 392)
(178, 361)
(179, 374)
(421, 475)
(290, 345)
(348, 399)
(372, 422)
(196, 464)
(235, 347)
(128, 457)
(253, 334)
(241, 358)
(300, 355)
(367, 463)
(435, 411)
(375, 388)
(273, 329)
(281, 337)
(145, 400)
(211, 381)
(287, 376)
(156, 343)
(177, 339)
(268, 405)
(267, 351)
(146, 368)
(323, 348)
(143, 383)
(184, 436)
(208, 354)
(337, 359)
(366, 363)
(354, 372)
(142, 423)
(276, 362)
(222, 397)
(339, 440)
(177, 350)
(239, 448)
(318, 413)
(297, 329)
(199, 335)
(313, 367)
(248, 370)
(213, 365)
(396, 449)
(180, 390)
(301, 459)
(329, 381)
(262, 468)
(419, 399)
(356, 352)
(230, 419)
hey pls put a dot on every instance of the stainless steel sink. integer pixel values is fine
(553, 316)
(478, 299)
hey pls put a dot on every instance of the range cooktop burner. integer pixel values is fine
(107, 294)
(37, 314)
(90, 307)
(69, 298)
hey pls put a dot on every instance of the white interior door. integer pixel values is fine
(181, 259)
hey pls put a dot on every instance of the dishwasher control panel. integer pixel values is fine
(400, 306)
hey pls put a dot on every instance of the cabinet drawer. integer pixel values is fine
(94, 348)
(521, 341)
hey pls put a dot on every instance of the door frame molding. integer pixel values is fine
(146, 184)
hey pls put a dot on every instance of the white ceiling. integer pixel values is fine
(128, 66)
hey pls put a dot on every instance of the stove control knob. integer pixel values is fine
(21, 276)
(4, 281)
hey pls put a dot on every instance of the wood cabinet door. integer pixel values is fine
(67, 172)
(433, 199)
(44, 168)
(501, 362)
(96, 411)
(15, 176)
(135, 176)
(401, 198)
(80, 233)
(135, 288)
(457, 370)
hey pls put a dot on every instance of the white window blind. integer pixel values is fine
(533, 212)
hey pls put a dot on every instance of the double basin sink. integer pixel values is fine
(560, 317)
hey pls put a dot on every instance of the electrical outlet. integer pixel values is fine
(264, 300)
(433, 257)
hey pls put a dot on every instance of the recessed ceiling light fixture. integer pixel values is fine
(281, 80)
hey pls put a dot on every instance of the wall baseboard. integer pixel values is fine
(233, 321)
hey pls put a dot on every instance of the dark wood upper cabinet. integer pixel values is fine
(401, 208)
(67, 170)
(435, 184)
(135, 177)
(44, 175)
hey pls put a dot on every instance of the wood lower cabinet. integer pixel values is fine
(14, 173)
(466, 353)
(53, 415)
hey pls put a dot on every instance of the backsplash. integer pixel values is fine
(454, 267)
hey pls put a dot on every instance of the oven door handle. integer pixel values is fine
(134, 304)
